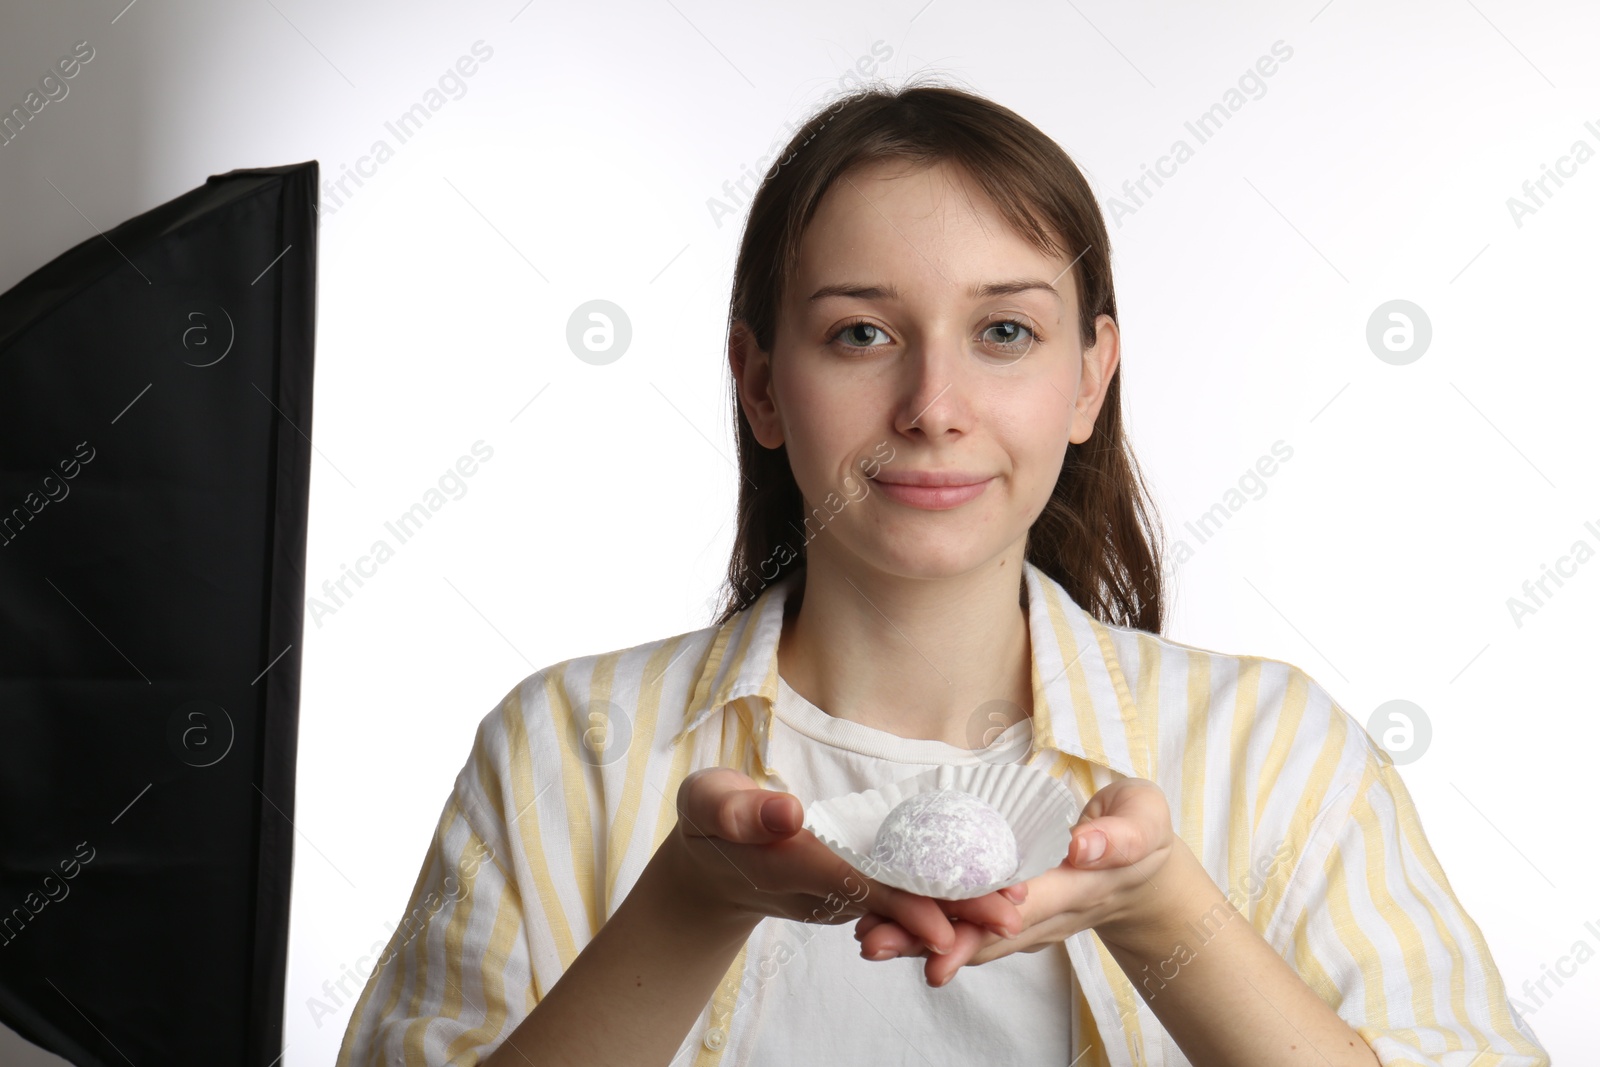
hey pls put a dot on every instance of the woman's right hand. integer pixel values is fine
(745, 854)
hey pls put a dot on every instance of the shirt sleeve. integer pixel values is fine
(455, 978)
(1381, 937)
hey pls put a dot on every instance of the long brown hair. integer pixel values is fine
(1098, 535)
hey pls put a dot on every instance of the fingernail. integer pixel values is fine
(882, 954)
(775, 815)
(1095, 846)
(1000, 931)
(935, 948)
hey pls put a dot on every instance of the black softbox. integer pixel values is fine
(155, 413)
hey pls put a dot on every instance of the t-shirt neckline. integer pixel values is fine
(805, 718)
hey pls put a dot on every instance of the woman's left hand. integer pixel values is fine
(1110, 881)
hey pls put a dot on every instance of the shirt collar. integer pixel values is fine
(1082, 705)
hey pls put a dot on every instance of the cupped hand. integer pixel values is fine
(741, 851)
(1109, 881)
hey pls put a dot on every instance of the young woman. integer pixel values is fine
(942, 557)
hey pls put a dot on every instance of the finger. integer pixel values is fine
(1122, 824)
(721, 802)
(922, 917)
(1109, 841)
(992, 911)
(941, 969)
(1089, 846)
(811, 867)
(1016, 893)
(867, 922)
(892, 937)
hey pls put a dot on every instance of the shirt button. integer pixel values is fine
(715, 1038)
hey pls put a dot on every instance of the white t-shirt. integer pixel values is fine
(826, 1004)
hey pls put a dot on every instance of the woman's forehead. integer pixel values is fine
(894, 214)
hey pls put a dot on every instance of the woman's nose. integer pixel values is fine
(933, 394)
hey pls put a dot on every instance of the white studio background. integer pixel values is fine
(1375, 164)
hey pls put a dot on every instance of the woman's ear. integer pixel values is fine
(1099, 364)
(752, 375)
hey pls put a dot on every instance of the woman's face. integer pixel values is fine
(915, 346)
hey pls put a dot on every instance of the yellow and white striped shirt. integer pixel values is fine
(1300, 818)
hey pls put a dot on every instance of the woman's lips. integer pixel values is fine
(931, 497)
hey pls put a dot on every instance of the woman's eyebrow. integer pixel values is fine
(977, 292)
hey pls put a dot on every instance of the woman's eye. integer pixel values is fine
(854, 332)
(1012, 335)
(1014, 338)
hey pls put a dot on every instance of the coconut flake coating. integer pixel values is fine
(950, 836)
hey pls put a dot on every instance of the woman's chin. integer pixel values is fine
(934, 558)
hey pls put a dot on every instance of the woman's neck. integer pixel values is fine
(947, 660)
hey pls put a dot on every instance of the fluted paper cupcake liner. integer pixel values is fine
(1040, 810)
